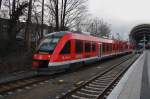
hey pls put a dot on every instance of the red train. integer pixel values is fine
(63, 50)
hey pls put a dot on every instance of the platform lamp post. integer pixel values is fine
(148, 40)
(143, 41)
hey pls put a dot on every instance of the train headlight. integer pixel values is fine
(49, 56)
(35, 55)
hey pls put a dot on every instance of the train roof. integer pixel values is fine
(59, 34)
(81, 36)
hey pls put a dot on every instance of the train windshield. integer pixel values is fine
(48, 44)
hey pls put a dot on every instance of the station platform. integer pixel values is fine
(135, 84)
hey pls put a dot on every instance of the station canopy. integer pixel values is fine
(140, 34)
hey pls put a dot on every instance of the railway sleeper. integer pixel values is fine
(90, 91)
(86, 95)
(93, 88)
(97, 86)
(101, 80)
(105, 80)
(99, 83)
(77, 97)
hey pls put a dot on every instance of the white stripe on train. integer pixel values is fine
(51, 64)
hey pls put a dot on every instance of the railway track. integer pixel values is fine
(24, 83)
(99, 86)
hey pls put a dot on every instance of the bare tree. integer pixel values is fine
(27, 31)
(0, 3)
(66, 12)
(104, 28)
(6, 9)
(98, 27)
(14, 19)
(42, 18)
(63, 13)
(54, 7)
(37, 19)
(13, 7)
(75, 11)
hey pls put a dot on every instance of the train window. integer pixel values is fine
(79, 46)
(103, 47)
(114, 46)
(48, 44)
(107, 47)
(126, 46)
(93, 47)
(110, 47)
(87, 47)
(67, 48)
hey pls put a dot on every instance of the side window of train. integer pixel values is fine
(67, 48)
(87, 47)
(79, 46)
(107, 47)
(110, 47)
(103, 47)
(93, 47)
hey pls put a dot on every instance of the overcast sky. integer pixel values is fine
(123, 15)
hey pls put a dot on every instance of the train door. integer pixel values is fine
(66, 51)
(100, 49)
(87, 48)
(78, 49)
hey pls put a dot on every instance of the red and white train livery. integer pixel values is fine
(61, 50)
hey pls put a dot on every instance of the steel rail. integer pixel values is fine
(86, 92)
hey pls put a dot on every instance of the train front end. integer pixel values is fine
(44, 52)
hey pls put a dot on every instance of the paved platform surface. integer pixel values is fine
(135, 84)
